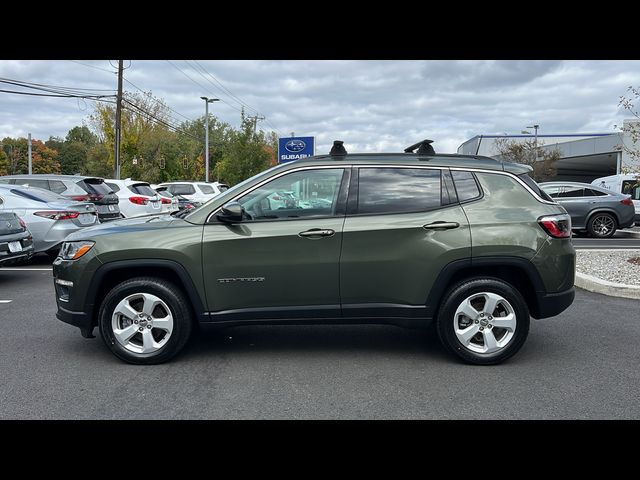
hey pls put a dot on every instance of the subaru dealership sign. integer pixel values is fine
(293, 148)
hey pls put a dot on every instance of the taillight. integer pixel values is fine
(139, 200)
(627, 201)
(165, 201)
(57, 215)
(188, 206)
(22, 224)
(558, 226)
(81, 198)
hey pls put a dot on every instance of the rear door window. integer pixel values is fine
(589, 192)
(398, 190)
(568, 191)
(31, 182)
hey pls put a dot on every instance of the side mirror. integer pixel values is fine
(231, 213)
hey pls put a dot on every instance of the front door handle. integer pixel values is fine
(317, 233)
(441, 225)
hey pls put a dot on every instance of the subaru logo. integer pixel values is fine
(295, 145)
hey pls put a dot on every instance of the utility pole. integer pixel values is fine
(207, 101)
(256, 118)
(118, 120)
(30, 169)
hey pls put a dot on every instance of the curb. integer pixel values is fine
(634, 233)
(597, 285)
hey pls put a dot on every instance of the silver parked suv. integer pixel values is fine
(74, 187)
(595, 209)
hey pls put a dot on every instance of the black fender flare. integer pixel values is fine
(177, 268)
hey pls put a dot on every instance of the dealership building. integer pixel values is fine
(583, 156)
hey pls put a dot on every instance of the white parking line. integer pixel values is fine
(6, 301)
(26, 269)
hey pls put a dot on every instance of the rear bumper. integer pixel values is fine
(551, 304)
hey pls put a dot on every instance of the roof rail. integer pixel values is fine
(338, 148)
(424, 148)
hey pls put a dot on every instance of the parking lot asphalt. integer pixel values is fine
(581, 364)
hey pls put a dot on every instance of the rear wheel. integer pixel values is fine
(602, 225)
(483, 321)
(145, 320)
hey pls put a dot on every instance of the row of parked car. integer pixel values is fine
(37, 212)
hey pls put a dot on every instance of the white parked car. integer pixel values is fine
(196, 191)
(628, 184)
(138, 198)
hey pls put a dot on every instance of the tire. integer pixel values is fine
(161, 332)
(602, 225)
(479, 348)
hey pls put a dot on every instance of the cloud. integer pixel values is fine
(371, 105)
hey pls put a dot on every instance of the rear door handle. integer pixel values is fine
(317, 233)
(441, 225)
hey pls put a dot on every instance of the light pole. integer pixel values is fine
(536, 138)
(207, 101)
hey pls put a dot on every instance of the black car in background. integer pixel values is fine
(74, 187)
(595, 209)
(15, 239)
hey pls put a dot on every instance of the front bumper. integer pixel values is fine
(77, 319)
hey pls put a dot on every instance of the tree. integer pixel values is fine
(44, 159)
(529, 153)
(244, 155)
(631, 130)
(4, 163)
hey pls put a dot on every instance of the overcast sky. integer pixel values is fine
(373, 106)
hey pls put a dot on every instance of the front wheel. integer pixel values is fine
(145, 320)
(483, 321)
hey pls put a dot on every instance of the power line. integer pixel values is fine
(149, 95)
(86, 97)
(202, 86)
(157, 120)
(222, 87)
(240, 101)
(92, 66)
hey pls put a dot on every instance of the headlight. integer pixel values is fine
(74, 250)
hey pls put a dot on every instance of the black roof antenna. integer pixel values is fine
(424, 148)
(338, 149)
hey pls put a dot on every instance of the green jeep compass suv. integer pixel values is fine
(467, 242)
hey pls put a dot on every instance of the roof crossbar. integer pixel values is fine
(424, 148)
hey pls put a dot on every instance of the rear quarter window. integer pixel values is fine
(531, 183)
(466, 186)
(206, 189)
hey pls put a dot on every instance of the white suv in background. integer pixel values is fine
(138, 198)
(196, 191)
